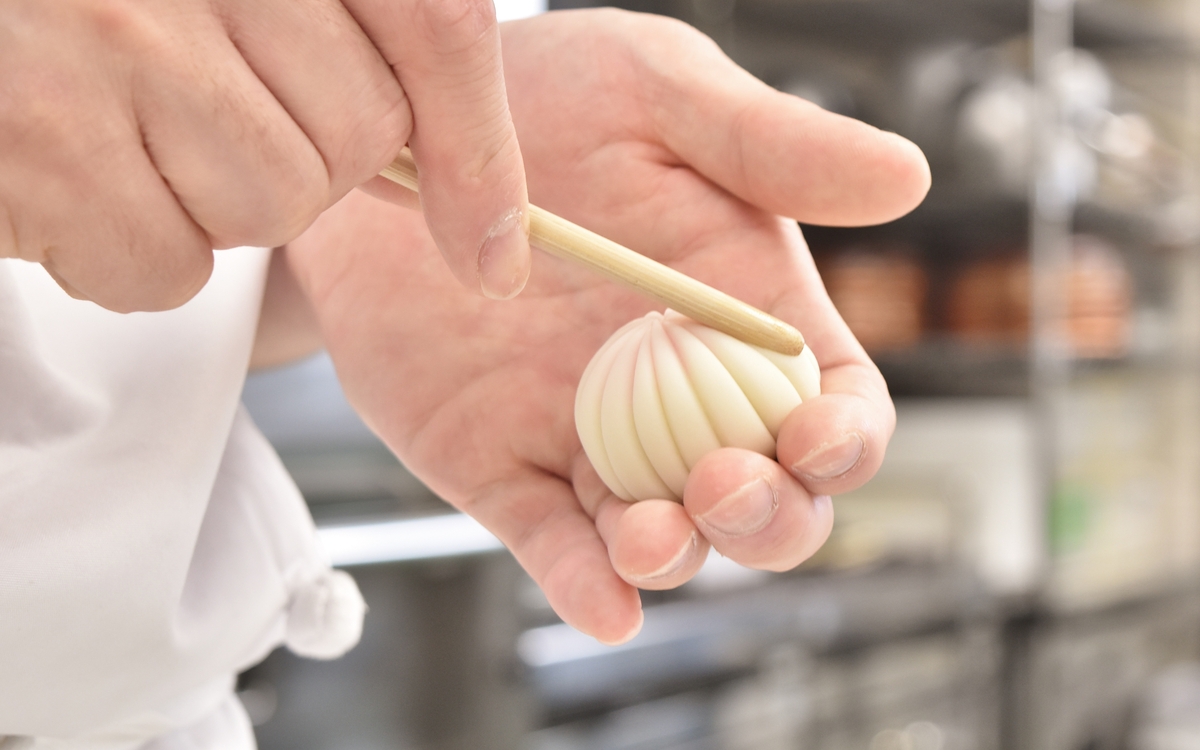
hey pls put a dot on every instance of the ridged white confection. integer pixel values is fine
(665, 390)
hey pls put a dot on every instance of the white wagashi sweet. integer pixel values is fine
(665, 390)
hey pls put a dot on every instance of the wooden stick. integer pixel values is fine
(650, 278)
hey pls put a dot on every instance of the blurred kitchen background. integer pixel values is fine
(1023, 573)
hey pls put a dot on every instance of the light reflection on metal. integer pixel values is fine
(428, 538)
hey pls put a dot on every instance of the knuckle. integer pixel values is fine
(617, 22)
(58, 112)
(372, 142)
(391, 131)
(117, 21)
(300, 189)
(301, 207)
(110, 17)
(269, 208)
(681, 49)
(38, 111)
(455, 25)
(286, 216)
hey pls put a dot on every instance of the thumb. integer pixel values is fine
(446, 55)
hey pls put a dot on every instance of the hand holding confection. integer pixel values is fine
(663, 393)
(640, 129)
(138, 135)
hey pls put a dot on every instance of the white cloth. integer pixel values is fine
(151, 542)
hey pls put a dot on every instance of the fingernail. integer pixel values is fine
(832, 459)
(744, 511)
(677, 563)
(503, 260)
(630, 635)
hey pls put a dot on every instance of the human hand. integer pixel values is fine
(136, 136)
(639, 128)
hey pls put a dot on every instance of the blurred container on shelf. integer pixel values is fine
(932, 80)
(1107, 149)
(1099, 300)
(883, 293)
(989, 301)
(1131, 162)
(1139, 136)
(880, 293)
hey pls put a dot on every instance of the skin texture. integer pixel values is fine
(138, 135)
(639, 128)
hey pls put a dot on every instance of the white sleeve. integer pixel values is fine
(151, 543)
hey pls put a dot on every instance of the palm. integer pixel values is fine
(476, 396)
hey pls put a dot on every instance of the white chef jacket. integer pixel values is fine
(151, 543)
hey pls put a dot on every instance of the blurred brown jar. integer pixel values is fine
(880, 294)
(989, 301)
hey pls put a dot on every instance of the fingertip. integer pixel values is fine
(833, 443)
(777, 530)
(588, 595)
(655, 545)
(612, 622)
(174, 279)
(816, 524)
(629, 634)
(906, 174)
(730, 494)
(882, 174)
(471, 172)
(831, 169)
